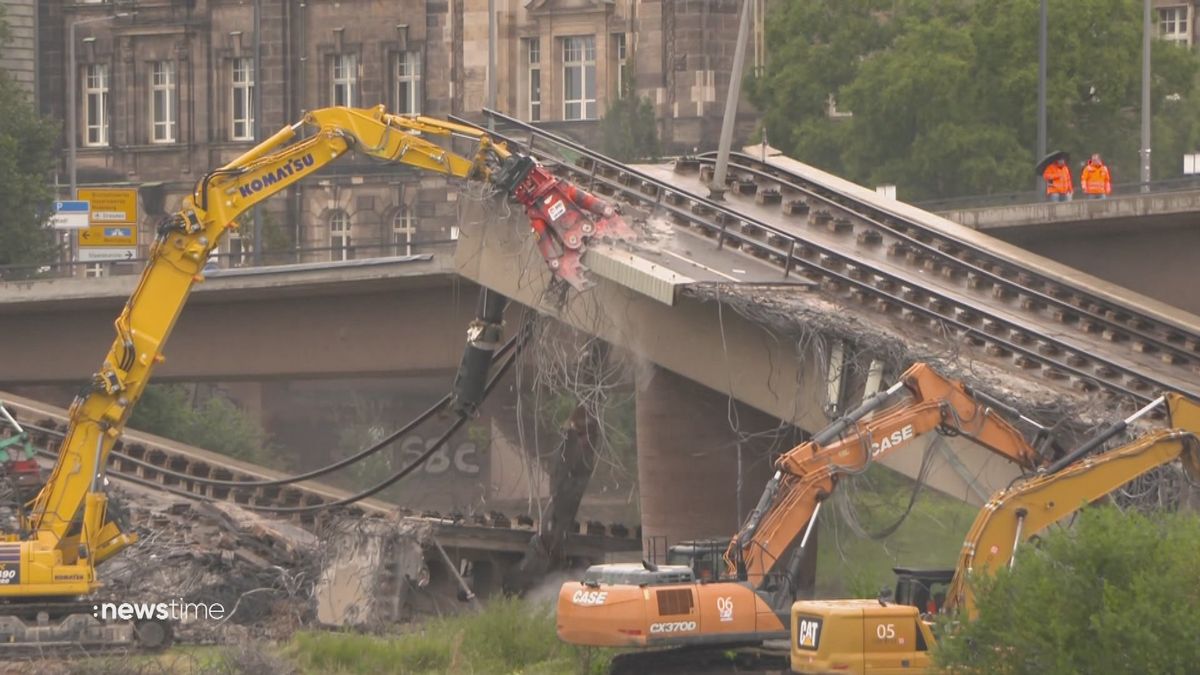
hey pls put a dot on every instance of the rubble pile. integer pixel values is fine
(368, 569)
(271, 576)
(260, 570)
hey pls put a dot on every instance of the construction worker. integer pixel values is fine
(1059, 186)
(1095, 179)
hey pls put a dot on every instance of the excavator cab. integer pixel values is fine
(924, 589)
(706, 557)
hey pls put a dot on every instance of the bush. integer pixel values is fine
(1119, 593)
(215, 424)
(509, 636)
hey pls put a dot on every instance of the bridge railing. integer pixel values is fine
(1168, 185)
(60, 269)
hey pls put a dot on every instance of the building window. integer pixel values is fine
(533, 58)
(95, 104)
(403, 229)
(408, 83)
(622, 64)
(242, 127)
(1173, 25)
(579, 78)
(339, 236)
(162, 102)
(345, 76)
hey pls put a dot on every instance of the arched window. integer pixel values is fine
(339, 236)
(403, 230)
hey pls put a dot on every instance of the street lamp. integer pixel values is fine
(71, 68)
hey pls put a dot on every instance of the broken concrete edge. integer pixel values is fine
(1073, 412)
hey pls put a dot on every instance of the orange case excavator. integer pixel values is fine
(673, 604)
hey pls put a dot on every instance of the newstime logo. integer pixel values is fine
(175, 610)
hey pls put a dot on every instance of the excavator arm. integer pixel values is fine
(1021, 512)
(68, 529)
(922, 401)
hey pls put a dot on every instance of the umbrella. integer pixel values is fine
(1050, 159)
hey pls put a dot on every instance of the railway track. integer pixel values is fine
(169, 467)
(862, 255)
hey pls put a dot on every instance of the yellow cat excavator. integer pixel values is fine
(877, 637)
(51, 559)
(631, 605)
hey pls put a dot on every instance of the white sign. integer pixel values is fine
(70, 215)
(93, 254)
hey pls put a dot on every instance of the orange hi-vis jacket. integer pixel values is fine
(1095, 180)
(1058, 180)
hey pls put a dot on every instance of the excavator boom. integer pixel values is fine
(68, 531)
(871, 636)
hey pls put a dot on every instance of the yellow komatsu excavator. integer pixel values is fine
(676, 605)
(68, 530)
(877, 637)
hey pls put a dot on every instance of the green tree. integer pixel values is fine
(216, 423)
(1118, 593)
(629, 129)
(944, 92)
(27, 150)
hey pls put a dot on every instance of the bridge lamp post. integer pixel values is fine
(71, 113)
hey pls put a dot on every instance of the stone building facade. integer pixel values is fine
(18, 48)
(170, 89)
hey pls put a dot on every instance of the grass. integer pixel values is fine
(509, 636)
(931, 536)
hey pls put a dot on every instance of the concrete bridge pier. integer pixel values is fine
(688, 461)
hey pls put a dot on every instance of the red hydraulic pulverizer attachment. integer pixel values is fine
(563, 216)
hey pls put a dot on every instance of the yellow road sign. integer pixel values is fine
(111, 205)
(113, 217)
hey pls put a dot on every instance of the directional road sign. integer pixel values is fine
(97, 254)
(70, 215)
(113, 224)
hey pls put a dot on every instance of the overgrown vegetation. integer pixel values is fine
(28, 143)
(509, 636)
(211, 422)
(1118, 593)
(930, 536)
(629, 130)
(943, 93)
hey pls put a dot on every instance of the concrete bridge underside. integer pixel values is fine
(403, 318)
(1140, 242)
(686, 489)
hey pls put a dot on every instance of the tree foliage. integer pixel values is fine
(27, 151)
(1118, 593)
(629, 130)
(215, 424)
(944, 92)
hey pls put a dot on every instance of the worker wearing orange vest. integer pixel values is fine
(1059, 186)
(1095, 179)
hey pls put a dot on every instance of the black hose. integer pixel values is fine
(409, 468)
(315, 473)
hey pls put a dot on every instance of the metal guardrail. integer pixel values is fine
(1024, 198)
(65, 269)
(841, 274)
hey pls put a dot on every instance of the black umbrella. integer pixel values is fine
(1050, 159)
